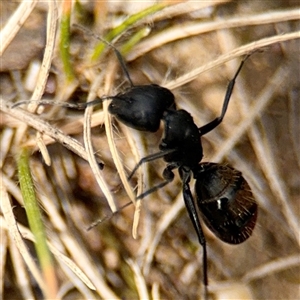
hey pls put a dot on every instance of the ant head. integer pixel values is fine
(141, 107)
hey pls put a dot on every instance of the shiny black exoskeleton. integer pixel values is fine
(142, 107)
(224, 198)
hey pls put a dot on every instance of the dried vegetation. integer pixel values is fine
(194, 49)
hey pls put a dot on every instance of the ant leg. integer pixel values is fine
(213, 124)
(168, 176)
(149, 158)
(108, 217)
(191, 208)
(78, 106)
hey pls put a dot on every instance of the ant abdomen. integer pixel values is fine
(225, 202)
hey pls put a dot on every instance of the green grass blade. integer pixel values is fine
(64, 44)
(124, 26)
(35, 222)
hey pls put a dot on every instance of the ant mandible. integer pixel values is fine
(224, 198)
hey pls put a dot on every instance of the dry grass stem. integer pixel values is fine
(192, 48)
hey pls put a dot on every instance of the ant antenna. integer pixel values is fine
(117, 52)
(81, 106)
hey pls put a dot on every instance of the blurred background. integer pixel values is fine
(259, 136)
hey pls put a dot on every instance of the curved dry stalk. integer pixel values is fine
(139, 280)
(15, 22)
(262, 101)
(240, 51)
(196, 28)
(20, 268)
(35, 122)
(26, 233)
(259, 137)
(111, 143)
(6, 140)
(68, 241)
(92, 160)
(88, 144)
(274, 266)
(155, 260)
(16, 236)
(71, 128)
(184, 8)
(45, 67)
(164, 222)
(132, 139)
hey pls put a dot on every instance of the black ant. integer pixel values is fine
(224, 198)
